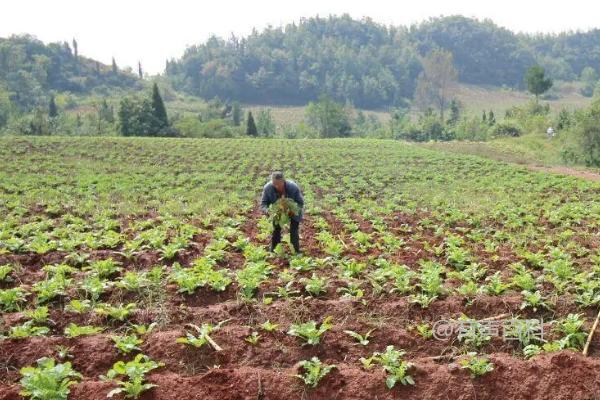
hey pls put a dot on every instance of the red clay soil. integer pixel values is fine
(266, 370)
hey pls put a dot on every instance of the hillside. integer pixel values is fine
(369, 64)
(31, 70)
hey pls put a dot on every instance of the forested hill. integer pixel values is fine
(30, 70)
(370, 64)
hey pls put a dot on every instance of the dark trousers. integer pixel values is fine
(294, 235)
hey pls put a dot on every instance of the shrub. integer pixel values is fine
(506, 128)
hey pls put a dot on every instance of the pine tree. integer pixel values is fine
(158, 108)
(140, 72)
(491, 118)
(115, 69)
(75, 48)
(52, 109)
(236, 114)
(484, 117)
(251, 126)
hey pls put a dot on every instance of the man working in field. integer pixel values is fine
(280, 188)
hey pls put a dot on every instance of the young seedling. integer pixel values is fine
(309, 331)
(253, 338)
(361, 339)
(269, 326)
(314, 371)
(134, 373)
(315, 285)
(478, 366)
(203, 336)
(392, 363)
(127, 343)
(73, 330)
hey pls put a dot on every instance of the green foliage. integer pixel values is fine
(589, 135)
(143, 116)
(5, 271)
(27, 330)
(251, 129)
(362, 339)
(11, 299)
(477, 366)
(130, 376)
(314, 371)
(537, 82)
(328, 118)
(119, 312)
(203, 335)
(392, 363)
(282, 210)
(74, 330)
(48, 380)
(127, 343)
(309, 330)
(589, 79)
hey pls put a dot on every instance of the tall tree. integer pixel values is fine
(75, 49)
(236, 114)
(251, 126)
(52, 109)
(537, 82)
(328, 118)
(589, 80)
(140, 72)
(264, 123)
(115, 69)
(158, 108)
(437, 83)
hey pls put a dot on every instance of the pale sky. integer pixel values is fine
(154, 30)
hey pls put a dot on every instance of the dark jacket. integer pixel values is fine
(292, 191)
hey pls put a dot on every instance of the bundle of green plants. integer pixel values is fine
(283, 210)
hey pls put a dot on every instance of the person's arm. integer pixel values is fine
(299, 198)
(264, 202)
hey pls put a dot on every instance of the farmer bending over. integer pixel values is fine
(279, 187)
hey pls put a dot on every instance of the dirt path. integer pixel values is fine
(589, 175)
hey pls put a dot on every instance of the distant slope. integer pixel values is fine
(369, 64)
(30, 70)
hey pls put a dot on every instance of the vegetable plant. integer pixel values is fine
(314, 371)
(48, 380)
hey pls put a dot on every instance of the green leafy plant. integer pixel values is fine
(269, 326)
(48, 380)
(130, 376)
(5, 271)
(38, 315)
(127, 343)
(203, 335)
(253, 338)
(74, 330)
(309, 330)
(11, 299)
(282, 210)
(314, 371)
(392, 363)
(119, 312)
(315, 285)
(362, 339)
(26, 330)
(477, 366)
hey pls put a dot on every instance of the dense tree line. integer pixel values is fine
(369, 64)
